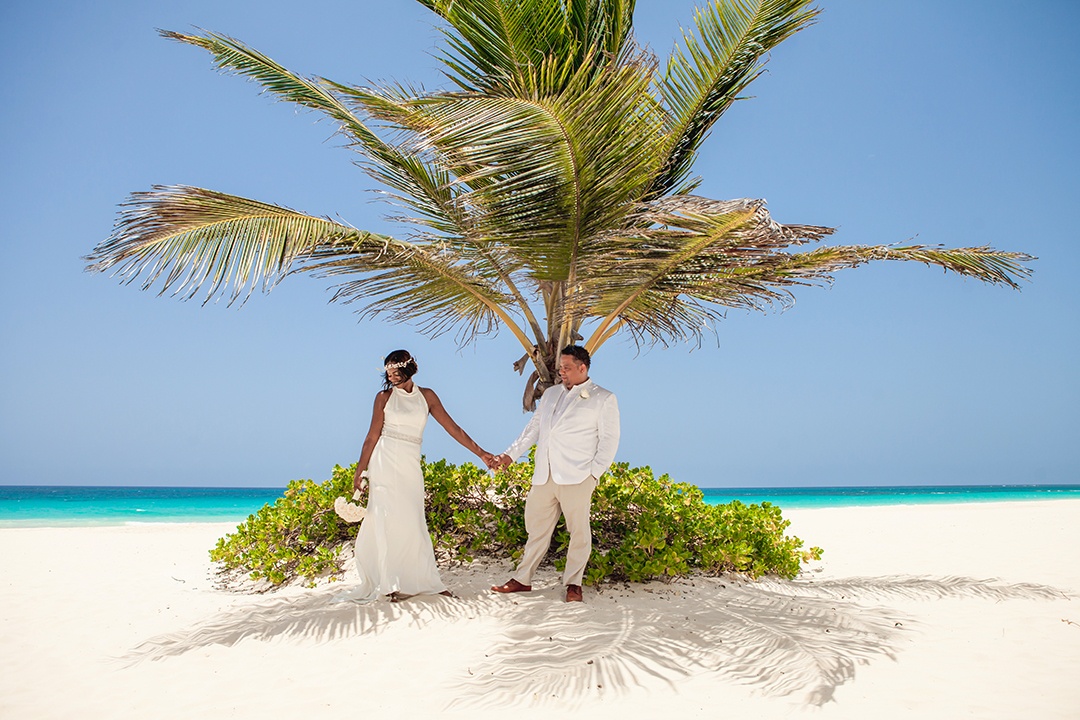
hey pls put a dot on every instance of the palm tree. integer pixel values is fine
(548, 191)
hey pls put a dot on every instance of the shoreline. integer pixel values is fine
(111, 523)
(930, 611)
(841, 502)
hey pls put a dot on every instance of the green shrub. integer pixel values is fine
(299, 536)
(643, 527)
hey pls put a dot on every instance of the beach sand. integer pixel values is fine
(915, 611)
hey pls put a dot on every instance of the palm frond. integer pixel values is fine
(422, 186)
(678, 300)
(648, 275)
(496, 44)
(232, 55)
(437, 188)
(314, 93)
(683, 260)
(432, 283)
(603, 24)
(543, 173)
(191, 238)
(982, 263)
(725, 55)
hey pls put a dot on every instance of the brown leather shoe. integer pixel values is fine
(511, 586)
(573, 593)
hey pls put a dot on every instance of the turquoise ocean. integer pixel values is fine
(47, 506)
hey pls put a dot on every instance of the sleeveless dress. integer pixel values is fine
(393, 547)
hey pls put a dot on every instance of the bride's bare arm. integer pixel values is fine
(435, 407)
(373, 433)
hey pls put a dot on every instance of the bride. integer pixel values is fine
(394, 555)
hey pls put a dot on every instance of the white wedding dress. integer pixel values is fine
(393, 547)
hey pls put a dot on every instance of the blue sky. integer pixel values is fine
(951, 123)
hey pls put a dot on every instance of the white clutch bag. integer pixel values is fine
(350, 512)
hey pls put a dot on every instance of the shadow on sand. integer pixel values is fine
(798, 638)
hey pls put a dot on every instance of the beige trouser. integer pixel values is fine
(542, 508)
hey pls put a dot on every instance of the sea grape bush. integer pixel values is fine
(644, 528)
(299, 536)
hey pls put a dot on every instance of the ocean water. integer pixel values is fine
(72, 505)
(30, 506)
(820, 497)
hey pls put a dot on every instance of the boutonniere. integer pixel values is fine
(584, 394)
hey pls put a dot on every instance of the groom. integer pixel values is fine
(576, 431)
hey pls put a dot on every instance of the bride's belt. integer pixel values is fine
(401, 436)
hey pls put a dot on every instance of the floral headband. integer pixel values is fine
(397, 365)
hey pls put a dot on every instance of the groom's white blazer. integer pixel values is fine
(574, 440)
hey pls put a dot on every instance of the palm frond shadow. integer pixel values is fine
(781, 643)
(918, 587)
(322, 616)
(783, 638)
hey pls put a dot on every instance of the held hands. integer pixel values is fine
(496, 462)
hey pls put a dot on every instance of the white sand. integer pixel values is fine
(900, 620)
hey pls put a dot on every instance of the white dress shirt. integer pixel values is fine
(576, 433)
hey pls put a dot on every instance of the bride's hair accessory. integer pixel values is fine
(399, 361)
